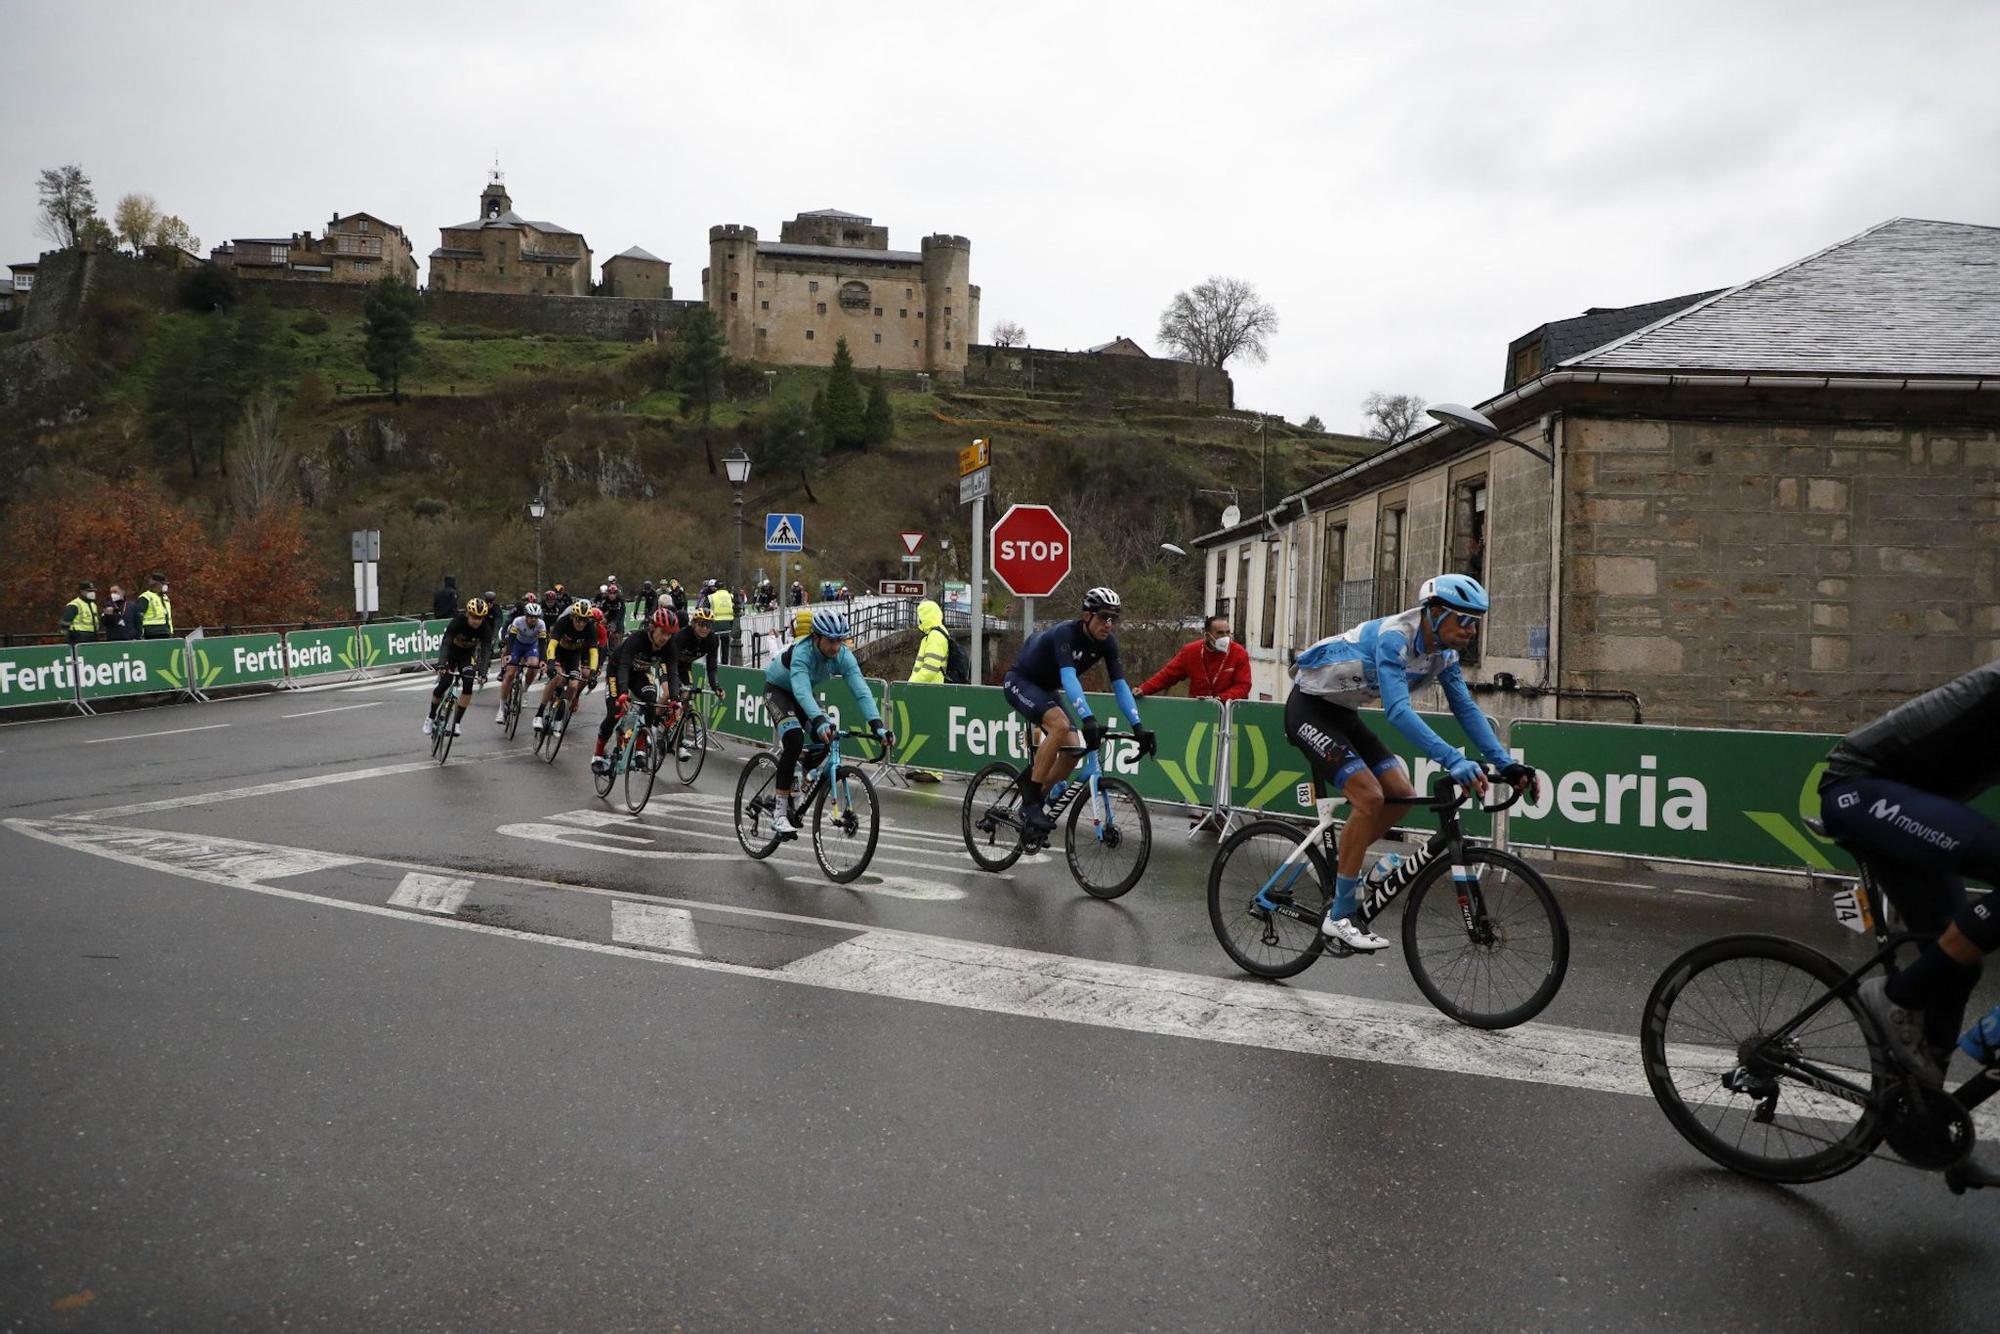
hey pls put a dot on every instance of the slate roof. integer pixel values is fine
(1906, 297)
(783, 248)
(636, 253)
(835, 213)
(1599, 325)
(512, 219)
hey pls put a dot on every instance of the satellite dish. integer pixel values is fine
(1231, 516)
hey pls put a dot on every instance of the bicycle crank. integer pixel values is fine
(1932, 1131)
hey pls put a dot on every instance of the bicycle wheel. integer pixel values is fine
(641, 767)
(846, 823)
(690, 745)
(612, 751)
(1740, 1094)
(1108, 850)
(1251, 860)
(756, 806)
(557, 726)
(441, 728)
(1505, 968)
(514, 704)
(990, 819)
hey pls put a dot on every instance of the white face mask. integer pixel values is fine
(1219, 643)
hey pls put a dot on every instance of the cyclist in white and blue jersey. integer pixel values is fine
(1383, 661)
(789, 684)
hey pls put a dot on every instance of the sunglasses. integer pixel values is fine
(1110, 617)
(1467, 620)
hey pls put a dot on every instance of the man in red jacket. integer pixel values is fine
(1213, 666)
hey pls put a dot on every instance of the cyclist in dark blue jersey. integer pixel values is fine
(1055, 660)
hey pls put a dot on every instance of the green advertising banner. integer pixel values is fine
(1269, 773)
(740, 710)
(236, 660)
(398, 643)
(129, 667)
(317, 652)
(964, 728)
(40, 675)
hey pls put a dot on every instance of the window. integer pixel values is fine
(909, 292)
(1221, 603)
(822, 307)
(548, 270)
(1242, 591)
(1389, 561)
(902, 314)
(920, 314)
(760, 282)
(1468, 527)
(732, 298)
(947, 309)
(809, 335)
(1528, 363)
(363, 224)
(916, 342)
(764, 305)
(878, 312)
(878, 338)
(812, 285)
(277, 254)
(1267, 630)
(947, 345)
(1332, 578)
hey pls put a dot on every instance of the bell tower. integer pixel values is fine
(493, 200)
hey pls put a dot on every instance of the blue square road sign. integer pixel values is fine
(784, 532)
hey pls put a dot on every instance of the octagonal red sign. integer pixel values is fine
(1031, 550)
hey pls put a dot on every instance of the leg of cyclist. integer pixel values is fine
(465, 686)
(1317, 728)
(599, 762)
(549, 691)
(444, 671)
(506, 675)
(783, 711)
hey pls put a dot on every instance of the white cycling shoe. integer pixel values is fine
(427, 727)
(1352, 934)
(782, 826)
(541, 723)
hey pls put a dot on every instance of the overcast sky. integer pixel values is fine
(1411, 185)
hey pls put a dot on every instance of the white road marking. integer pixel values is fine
(271, 789)
(141, 736)
(338, 708)
(598, 821)
(236, 858)
(1705, 894)
(654, 926)
(423, 892)
(888, 886)
(567, 836)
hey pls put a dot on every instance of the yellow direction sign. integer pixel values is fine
(973, 457)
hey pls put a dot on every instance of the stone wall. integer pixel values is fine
(1114, 376)
(66, 279)
(597, 317)
(1794, 577)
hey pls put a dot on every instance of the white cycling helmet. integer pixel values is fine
(533, 609)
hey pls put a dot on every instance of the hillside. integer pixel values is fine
(488, 419)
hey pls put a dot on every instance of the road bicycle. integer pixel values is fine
(686, 739)
(837, 798)
(555, 721)
(510, 699)
(1490, 954)
(1106, 855)
(444, 717)
(634, 751)
(1761, 1057)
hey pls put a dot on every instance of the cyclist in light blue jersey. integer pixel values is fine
(1384, 660)
(789, 684)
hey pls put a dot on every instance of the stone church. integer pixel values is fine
(500, 251)
(832, 275)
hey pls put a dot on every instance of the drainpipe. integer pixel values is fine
(1504, 683)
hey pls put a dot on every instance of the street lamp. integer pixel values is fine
(1472, 419)
(538, 509)
(737, 465)
(1170, 547)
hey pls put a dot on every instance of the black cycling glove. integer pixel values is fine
(1093, 734)
(1518, 775)
(1149, 742)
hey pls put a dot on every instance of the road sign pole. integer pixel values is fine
(1027, 619)
(979, 591)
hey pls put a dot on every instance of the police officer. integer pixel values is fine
(79, 614)
(722, 609)
(156, 609)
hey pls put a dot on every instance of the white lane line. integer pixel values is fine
(598, 821)
(888, 886)
(424, 892)
(654, 926)
(338, 708)
(141, 736)
(1711, 894)
(271, 789)
(237, 858)
(1002, 980)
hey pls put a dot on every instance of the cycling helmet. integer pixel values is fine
(1101, 599)
(477, 608)
(700, 616)
(826, 621)
(532, 610)
(580, 609)
(664, 619)
(1460, 592)
(802, 622)
(597, 614)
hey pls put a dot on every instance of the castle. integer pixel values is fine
(831, 275)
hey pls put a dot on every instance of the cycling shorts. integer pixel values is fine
(453, 658)
(569, 659)
(1337, 743)
(1029, 700)
(518, 652)
(782, 705)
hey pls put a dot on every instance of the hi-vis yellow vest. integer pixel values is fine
(86, 616)
(721, 606)
(157, 610)
(932, 655)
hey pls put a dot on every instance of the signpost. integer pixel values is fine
(784, 534)
(366, 547)
(975, 483)
(900, 588)
(1031, 553)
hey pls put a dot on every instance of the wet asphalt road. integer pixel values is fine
(245, 1089)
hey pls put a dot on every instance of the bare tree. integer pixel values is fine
(1217, 320)
(68, 205)
(1009, 334)
(1393, 417)
(135, 220)
(266, 469)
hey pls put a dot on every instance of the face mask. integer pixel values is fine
(117, 597)
(163, 588)
(90, 597)
(1219, 642)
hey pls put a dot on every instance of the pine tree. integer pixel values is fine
(845, 416)
(389, 328)
(700, 360)
(879, 422)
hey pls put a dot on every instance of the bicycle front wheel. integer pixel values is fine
(757, 806)
(441, 734)
(641, 767)
(613, 751)
(990, 819)
(1258, 860)
(1737, 1088)
(1108, 838)
(690, 745)
(555, 727)
(514, 706)
(846, 824)
(1490, 951)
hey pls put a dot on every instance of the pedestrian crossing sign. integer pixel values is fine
(784, 532)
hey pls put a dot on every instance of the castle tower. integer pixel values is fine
(493, 200)
(730, 286)
(948, 304)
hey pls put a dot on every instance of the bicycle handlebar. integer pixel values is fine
(1448, 795)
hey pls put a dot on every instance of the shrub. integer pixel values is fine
(312, 322)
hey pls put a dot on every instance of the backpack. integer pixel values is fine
(957, 667)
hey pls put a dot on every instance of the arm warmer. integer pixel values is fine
(1395, 688)
(802, 683)
(1126, 704)
(850, 671)
(1074, 689)
(1477, 728)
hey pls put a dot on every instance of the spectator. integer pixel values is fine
(678, 596)
(1213, 666)
(722, 609)
(932, 667)
(156, 609)
(79, 615)
(118, 616)
(444, 602)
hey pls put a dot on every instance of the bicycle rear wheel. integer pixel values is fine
(1108, 851)
(642, 766)
(442, 725)
(556, 726)
(1253, 859)
(1505, 967)
(756, 806)
(846, 823)
(514, 703)
(1737, 1092)
(690, 746)
(614, 749)
(990, 819)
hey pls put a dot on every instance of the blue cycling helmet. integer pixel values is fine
(1460, 592)
(832, 624)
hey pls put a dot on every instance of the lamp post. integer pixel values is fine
(737, 465)
(538, 508)
(1472, 419)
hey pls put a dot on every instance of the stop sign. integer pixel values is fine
(1030, 550)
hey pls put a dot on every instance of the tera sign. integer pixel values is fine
(1031, 551)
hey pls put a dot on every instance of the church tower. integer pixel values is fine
(493, 200)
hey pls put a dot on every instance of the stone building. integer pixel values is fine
(21, 286)
(358, 248)
(500, 251)
(635, 273)
(1121, 346)
(1772, 506)
(832, 275)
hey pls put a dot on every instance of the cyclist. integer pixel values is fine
(1895, 792)
(1384, 660)
(694, 641)
(484, 655)
(457, 652)
(573, 645)
(523, 641)
(629, 674)
(1057, 658)
(789, 682)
